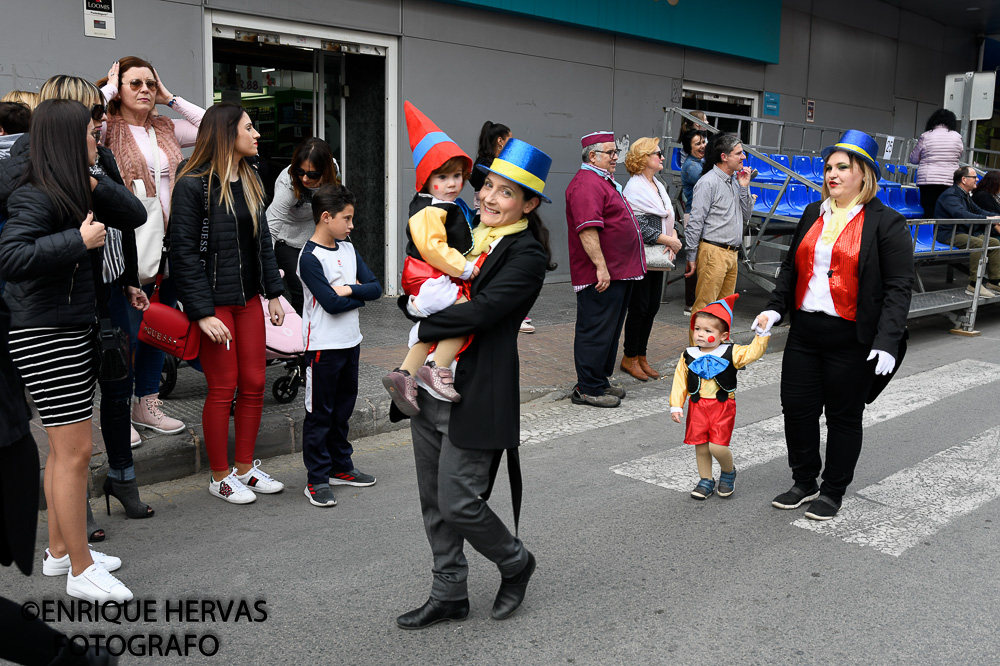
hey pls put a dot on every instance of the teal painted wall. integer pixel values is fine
(745, 29)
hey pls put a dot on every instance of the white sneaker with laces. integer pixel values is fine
(97, 585)
(232, 490)
(260, 481)
(60, 566)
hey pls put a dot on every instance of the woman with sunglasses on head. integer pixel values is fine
(290, 213)
(133, 89)
(653, 211)
(53, 234)
(220, 288)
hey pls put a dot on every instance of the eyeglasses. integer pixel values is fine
(136, 84)
(658, 153)
(97, 112)
(970, 176)
(311, 175)
(612, 153)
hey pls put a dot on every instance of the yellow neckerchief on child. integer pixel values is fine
(838, 220)
(483, 236)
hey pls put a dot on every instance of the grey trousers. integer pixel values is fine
(450, 481)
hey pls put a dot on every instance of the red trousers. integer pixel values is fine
(242, 367)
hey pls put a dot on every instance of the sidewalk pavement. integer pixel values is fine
(546, 367)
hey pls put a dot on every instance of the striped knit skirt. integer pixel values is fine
(58, 367)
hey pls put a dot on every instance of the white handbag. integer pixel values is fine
(657, 259)
(149, 236)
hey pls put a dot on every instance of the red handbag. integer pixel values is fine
(168, 329)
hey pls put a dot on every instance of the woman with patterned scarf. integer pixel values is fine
(132, 90)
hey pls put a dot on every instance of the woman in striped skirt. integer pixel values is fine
(52, 234)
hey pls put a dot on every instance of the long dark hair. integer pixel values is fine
(488, 141)
(990, 183)
(60, 165)
(942, 117)
(317, 152)
(213, 155)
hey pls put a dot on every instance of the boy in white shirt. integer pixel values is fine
(335, 283)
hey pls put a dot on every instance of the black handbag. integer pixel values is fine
(113, 357)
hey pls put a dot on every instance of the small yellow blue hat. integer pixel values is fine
(524, 164)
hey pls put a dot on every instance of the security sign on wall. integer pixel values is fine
(99, 18)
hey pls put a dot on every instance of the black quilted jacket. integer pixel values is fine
(219, 283)
(13, 167)
(44, 260)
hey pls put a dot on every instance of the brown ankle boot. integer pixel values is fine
(647, 368)
(630, 365)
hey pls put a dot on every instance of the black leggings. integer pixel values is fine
(642, 309)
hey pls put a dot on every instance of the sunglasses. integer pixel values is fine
(311, 175)
(658, 153)
(136, 84)
(97, 112)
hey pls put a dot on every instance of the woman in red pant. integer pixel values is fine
(219, 280)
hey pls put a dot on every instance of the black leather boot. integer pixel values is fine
(511, 592)
(432, 612)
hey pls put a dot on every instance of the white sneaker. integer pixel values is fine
(260, 481)
(97, 585)
(136, 438)
(60, 566)
(983, 291)
(231, 490)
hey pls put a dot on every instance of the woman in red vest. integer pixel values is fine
(846, 284)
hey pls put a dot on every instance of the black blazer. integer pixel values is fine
(489, 414)
(885, 281)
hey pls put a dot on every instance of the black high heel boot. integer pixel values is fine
(94, 533)
(126, 492)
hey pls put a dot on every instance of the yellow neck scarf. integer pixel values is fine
(838, 220)
(483, 236)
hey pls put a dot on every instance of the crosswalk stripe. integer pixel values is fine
(763, 441)
(899, 511)
(568, 419)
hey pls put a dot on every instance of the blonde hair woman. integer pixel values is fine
(29, 99)
(655, 214)
(219, 285)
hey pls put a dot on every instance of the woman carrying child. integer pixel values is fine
(219, 285)
(440, 235)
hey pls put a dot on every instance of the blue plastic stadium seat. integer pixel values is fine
(818, 168)
(890, 168)
(925, 240)
(896, 200)
(794, 201)
(783, 161)
(675, 160)
(803, 166)
(911, 195)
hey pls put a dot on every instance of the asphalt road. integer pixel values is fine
(628, 571)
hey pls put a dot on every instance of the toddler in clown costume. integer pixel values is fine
(435, 272)
(706, 373)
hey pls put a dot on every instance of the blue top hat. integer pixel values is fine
(857, 143)
(524, 164)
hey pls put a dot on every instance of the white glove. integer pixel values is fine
(435, 295)
(885, 361)
(467, 273)
(772, 319)
(414, 334)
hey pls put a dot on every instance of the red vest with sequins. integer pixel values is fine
(843, 265)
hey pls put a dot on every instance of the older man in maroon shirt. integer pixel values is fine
(605, 255)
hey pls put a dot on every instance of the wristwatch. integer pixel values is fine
(171, 102)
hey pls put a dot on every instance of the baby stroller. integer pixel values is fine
(281, 344)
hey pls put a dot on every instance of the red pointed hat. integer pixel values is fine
(431, 147)
(722, 309)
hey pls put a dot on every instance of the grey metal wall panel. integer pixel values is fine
(915, 29)
(915, 67)
(50, 41)
(639, 56)
(639, 102)
(905, 121)
(494, 30)
(850, 66)
(373, 15)
(719, 70)
(879, 18)
(837, 114)
(792, 71)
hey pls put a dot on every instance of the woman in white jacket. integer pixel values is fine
(938, 152)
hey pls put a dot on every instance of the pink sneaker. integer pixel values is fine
(146, 413)
(440, 379)
(403, 389)
(136, 438)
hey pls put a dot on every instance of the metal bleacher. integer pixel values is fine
(789, 177)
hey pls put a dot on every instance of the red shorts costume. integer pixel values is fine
(710, 421)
